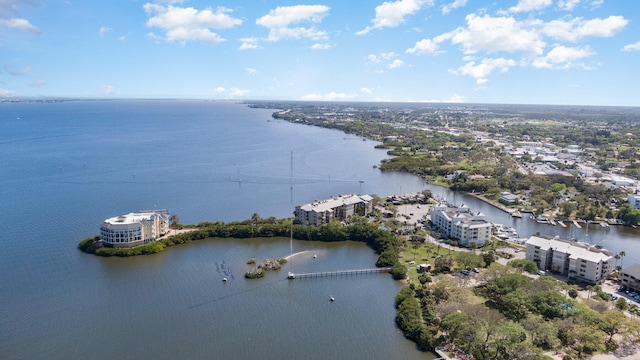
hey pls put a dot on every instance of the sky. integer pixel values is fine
(568, 52)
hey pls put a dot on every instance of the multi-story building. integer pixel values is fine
(336, 208)
(577, 260)
(459, 223)
(631, 277)
(134, 229)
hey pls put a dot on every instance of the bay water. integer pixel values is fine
(67, 166)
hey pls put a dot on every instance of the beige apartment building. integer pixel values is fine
(580, 262)
(336, 208)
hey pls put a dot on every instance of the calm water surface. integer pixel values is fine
(69, 165)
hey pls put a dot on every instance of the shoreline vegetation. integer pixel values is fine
(500, 312)
(383, 242)
(470, 148)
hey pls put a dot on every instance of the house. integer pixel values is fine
(508, 198)
(459, 223)
(134, 229)
(336, 208)
(423, 268)
(578, 261)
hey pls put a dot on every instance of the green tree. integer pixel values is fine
(567, 208)
(489, 258)
(174, 221)
(612, 322)
(524, 264)
(468, 260)
(542, 333)
(588, 340)
(442, 264)
(622, 255)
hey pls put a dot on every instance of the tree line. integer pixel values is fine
(385, 244)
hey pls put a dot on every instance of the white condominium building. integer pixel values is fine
(336, 208)
(459, 223)
(577, 260)
(134, 229)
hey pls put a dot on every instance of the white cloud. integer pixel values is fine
(632, 47)
(332, 96)
(530, 5)
(189, 24)
(388, 56)
(578, 28)
(455, 98)
(319, 46)
(104, 30)
(481, 71)
(493, 34)
(280, 21)
(424, 47)
(251, 71)
(454, 5)
(596, 4)
(8, 93)
(372, 58)
(37, 83)
(236, 92)
(567, 5)
(366, 90)
(397, 63)
(107, 90)
(10, 69)
(20, 24)
(220, 90)
(10, 17)
(562, 57)
(249, 43)
(392, 14)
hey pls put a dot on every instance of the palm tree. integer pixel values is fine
(617, 257)
(174, 221)
(622, 254)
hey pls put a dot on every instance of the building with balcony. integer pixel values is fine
(459, 223)
(134, 229)
(578, 261)
(336, 208)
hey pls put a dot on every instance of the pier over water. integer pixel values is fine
(321, 274)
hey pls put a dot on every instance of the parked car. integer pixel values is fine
(464, 272)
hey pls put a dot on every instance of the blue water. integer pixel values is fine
(66, 166)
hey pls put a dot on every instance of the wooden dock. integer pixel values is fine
(321, 274)
(575, 223)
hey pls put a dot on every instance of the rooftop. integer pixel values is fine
(576, 250)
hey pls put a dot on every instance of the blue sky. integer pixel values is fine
(582, 52)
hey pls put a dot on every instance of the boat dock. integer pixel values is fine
(320, 274)
(561, 223)
(576, 224)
